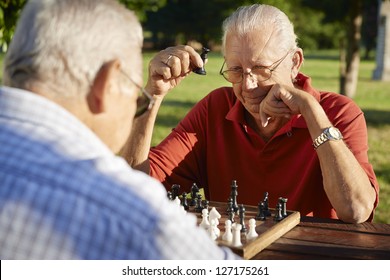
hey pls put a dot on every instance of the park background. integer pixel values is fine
(324, 29)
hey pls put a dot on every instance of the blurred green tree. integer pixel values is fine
(9, 13)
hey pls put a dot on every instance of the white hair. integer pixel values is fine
(62, 44)
(260, 17)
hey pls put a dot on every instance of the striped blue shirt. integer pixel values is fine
(65, 195)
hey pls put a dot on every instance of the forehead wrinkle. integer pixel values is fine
(264, 55)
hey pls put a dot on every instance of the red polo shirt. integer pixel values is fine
(214, 145)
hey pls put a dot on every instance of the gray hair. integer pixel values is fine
(260, 17)
(61, 44)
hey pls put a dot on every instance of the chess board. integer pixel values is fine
(268, 230)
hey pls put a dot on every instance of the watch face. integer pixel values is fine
(334, 132)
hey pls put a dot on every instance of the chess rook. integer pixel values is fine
(283, 202)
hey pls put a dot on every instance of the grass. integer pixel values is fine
(372, 96)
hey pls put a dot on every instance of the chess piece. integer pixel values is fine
(198, 207)
(215, 216)
(234, 194)
(278, 212)
(205, 204)
(231, 215)
(203, 56)
(194, 194)
(169, 195)
(212, 230)
(236, 228)
(177, 201)
(242, 217)
(230, 210)
(229, 204)
(184, 201)
(283, 201)
(260, 212)
(175, 190)
(205, 219)
(228, 235)
(267, 212)
(252, 234)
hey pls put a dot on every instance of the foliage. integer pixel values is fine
(9, 13)
(141, 6)
(318, 24)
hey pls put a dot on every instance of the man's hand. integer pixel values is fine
(169, 67)
(282, 101)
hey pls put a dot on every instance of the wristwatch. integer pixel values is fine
(329, 133)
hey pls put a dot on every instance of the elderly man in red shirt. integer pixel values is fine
(271, 131)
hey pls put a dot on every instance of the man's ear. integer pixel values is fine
(102, 86)
(297, 62)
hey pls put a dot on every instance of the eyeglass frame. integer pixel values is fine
(271, 68)
(145, 94)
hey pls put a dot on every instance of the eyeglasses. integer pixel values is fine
(145, 100)
(262, 73)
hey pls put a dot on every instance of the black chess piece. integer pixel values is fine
(267, 212)
(260, 212)
(242, 218)
(203, 55)
(184, 202)
(234, 194)
(169, 195)
(205, 204)
(278, 212)
(175, 191)
(194, 194)
(229, 205)
(198, 207)
(283, 202)
(230, 213)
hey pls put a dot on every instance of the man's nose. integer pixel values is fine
(249, 81)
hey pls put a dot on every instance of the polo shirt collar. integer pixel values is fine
(236, 112)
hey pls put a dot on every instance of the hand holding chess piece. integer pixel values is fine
(203, 55)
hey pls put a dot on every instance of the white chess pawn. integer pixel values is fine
(236, 235)
(252, 234)
(228, 236)
(205, 219)
(177, 200)
(211, 230)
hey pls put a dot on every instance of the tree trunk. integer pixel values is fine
(349, 79)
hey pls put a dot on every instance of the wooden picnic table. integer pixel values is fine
(315, 238)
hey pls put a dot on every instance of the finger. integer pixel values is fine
(264, 118)
(194, 57)
(159, 70)
(180, 63)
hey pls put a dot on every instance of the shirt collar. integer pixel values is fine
(56, 124)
